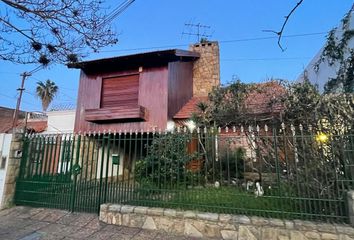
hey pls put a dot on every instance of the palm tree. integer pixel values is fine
(46, 91)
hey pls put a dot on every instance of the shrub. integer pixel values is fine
(165, 163)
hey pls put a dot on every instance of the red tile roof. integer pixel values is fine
(37, 126)
(260, 101)
(33, 125)
(5, 125)
(190, 107)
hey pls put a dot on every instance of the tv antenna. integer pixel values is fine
(199, 30)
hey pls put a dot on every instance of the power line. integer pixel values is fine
(24, 75)
(221, 41)
(112, 15)
(60, 91)
(35, 70)
(9, 97)
(72, 98)
(267, 38)
(264, 59)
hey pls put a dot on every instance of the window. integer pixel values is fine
(119, 101)
(120, 91)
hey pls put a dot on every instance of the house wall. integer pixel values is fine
(153, 91)
(61, 121)
(113, 169)
(325, 71)
(5, 142)
(180, 85)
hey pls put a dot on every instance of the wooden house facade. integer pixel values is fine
(136, 92)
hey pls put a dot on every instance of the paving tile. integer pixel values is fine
(162, 236)
(145, 234)
(23, 223)
(95, 224)
(54, 215)
(83, 233)
(28, 212)
(32, 236)
(128, 230)
(6, 212)
(40, 215)
(48, 236)
(59, 230)
(121, 236)
(102, 235)
(77, 219)
(37, 225)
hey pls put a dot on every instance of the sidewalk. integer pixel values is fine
(25, 223)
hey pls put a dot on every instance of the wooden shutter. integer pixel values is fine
(120, 91)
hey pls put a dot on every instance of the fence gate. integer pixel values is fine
(73, 172)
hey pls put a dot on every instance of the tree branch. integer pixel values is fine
(280, 33)
(55, 29)
(16, 28)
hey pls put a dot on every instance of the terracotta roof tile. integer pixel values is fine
(260, 101)
(190, 107)
(36, 126)
(32, 126)
(5, 125)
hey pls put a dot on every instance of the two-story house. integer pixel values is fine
(139, 93)
(143, 91)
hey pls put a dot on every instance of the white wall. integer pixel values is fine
(116, 168)
(327, 71)
(61, 121)
(5, 142)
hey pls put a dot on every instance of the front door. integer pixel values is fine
(5, 142)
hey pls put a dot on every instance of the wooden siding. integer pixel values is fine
(180, 86)
(153, 92)
(122, 113)
(120, 91)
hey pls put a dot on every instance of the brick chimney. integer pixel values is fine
(206, 70)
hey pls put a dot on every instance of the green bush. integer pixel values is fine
(165, 163)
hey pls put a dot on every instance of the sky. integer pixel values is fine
(149, 25)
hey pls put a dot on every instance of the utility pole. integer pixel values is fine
(21, 89)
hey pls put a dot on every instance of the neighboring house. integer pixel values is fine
(321, 72)
(261, 106)
(58, 121)
(143, 92)
(61, 121)
(34, 124)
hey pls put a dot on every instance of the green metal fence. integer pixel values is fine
(285, 173)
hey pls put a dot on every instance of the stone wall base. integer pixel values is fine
(222, 226)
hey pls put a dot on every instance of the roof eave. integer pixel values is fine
(156, 54)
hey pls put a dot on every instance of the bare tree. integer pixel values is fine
(287, 17)
(44, 31)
